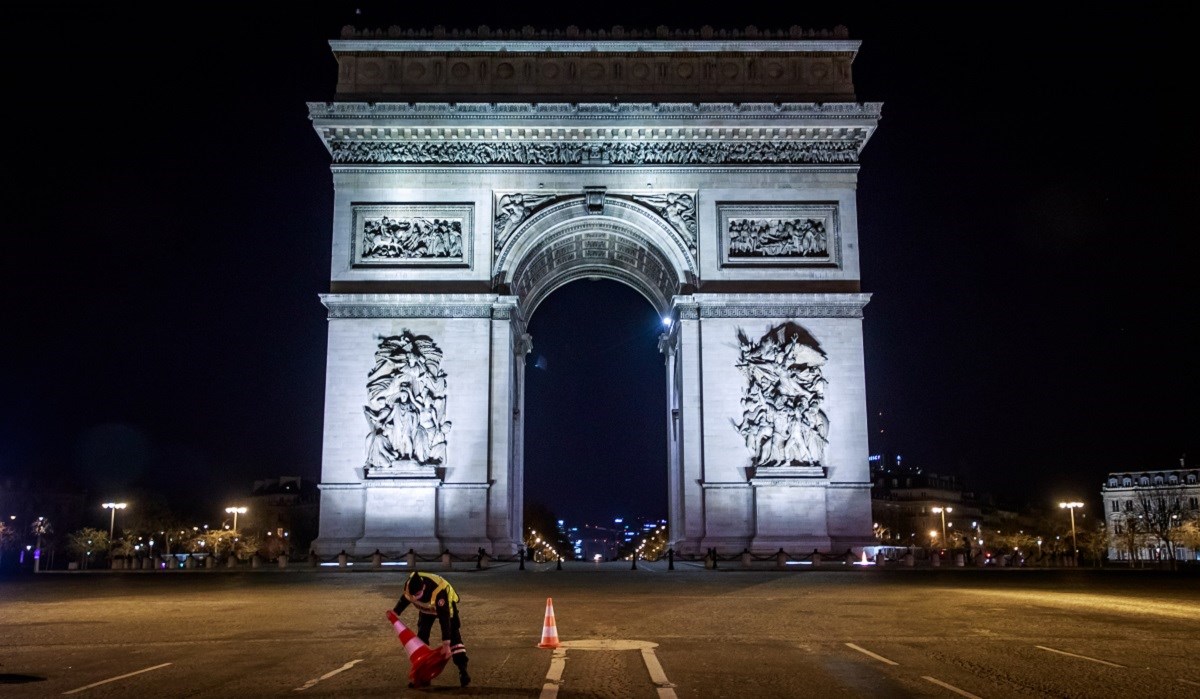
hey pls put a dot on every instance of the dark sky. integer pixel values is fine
(168, 213)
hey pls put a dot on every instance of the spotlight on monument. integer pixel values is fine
(667, 322)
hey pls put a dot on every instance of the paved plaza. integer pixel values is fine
(649, 632)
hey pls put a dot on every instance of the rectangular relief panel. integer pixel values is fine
(779, 234)
(411, 235)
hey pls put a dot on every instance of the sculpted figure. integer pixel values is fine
(406, 403)
(782, 422)
(511, 212)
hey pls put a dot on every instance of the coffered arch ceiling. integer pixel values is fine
(604, 236)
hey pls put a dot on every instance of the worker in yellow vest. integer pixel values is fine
(434, 598)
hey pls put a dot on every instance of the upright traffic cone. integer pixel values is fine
(549, 628)
(427, 663)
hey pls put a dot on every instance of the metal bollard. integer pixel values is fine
(231, 561)
(410, 560)
(816, 558)
(342, 562)
(377, 560)
(446, 560)
(521, 553)
(880, 559)
(935, 560)
(634, 557)
(780, 559)
(745, 558)
(283, 560)
(670, 559)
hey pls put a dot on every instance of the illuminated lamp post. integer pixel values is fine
(942, 511)
(235, 511)
(112, 520)
(1070, 506)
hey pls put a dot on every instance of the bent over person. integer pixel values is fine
(434, 598)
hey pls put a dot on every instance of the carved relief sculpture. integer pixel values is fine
(797, 237)
(782, 421)
(392, 238)
(415, 234)
(678, 209)
(787, 234)
(511, 211)
(406, 405)
(598, 153)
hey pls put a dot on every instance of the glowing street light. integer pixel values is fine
(1071, 507)
(942, 511)
(112, 520)
(235, 511)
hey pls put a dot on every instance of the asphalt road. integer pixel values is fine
(624, 633)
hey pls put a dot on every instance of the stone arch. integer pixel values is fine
(618, 239)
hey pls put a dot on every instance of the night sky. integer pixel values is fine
(168, 213)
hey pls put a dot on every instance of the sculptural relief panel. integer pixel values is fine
(783, 422)
(779, 234)
(411, 235)
(406, 408)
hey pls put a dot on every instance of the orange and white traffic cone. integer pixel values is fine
(427, 663)
(549, 628)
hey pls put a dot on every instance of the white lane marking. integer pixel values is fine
(1194, 684)
(951, 687)
(864, 651)
(114, 679)
(666, 690)
(327, 675)
(558, 662)
(1081, 657)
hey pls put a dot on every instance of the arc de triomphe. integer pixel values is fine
(474, 174)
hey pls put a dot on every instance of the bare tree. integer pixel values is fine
(1161, 511)
(1130, 535)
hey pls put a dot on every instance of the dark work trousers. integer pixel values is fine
(458, 651)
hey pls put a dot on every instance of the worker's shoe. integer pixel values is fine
(463, 678)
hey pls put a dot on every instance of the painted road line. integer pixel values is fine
(119, 677)
(868, 653)
(666, 690)
(1081, 657)
(1194, 684)
(558, 662)
(952, 688)
(327, 675)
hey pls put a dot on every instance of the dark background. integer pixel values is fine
(168, 214)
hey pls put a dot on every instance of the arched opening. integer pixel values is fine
(595, 427)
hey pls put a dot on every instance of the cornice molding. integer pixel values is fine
(593, 110)
(699, 306)
(417, 305)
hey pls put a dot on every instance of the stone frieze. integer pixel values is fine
(594, 153)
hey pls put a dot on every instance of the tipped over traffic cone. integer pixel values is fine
(549, 628)
(427, 663)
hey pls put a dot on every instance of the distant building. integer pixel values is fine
(908, 505)
(288, 506)
(1135, 500)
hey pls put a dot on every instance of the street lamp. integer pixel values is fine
(112, 520)
(235, 511)
(942, 511)
(1070, 506)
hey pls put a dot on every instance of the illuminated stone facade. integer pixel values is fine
(714, 174)
(1141, 506)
